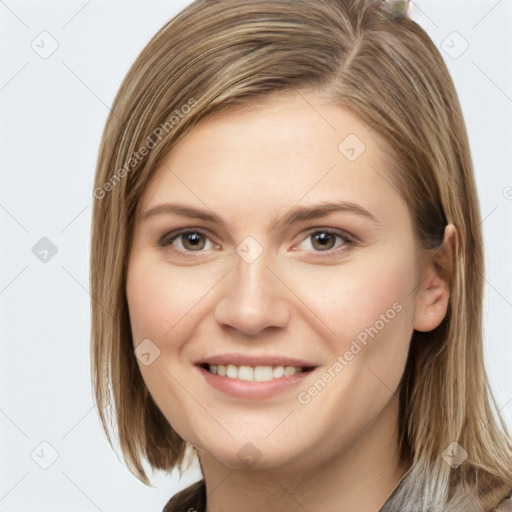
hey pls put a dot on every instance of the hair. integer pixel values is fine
(216, 54)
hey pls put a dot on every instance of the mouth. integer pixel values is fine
(255, 373)
(260, 382)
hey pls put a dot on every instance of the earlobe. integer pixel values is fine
(434, 293)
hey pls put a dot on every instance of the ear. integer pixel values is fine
(434, 289)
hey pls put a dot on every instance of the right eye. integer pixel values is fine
(192, 241)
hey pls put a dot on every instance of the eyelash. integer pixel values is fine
(165, 241)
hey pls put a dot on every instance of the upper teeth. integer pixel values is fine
(256, 373)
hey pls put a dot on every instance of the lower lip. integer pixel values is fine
(257, 390)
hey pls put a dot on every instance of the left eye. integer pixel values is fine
(322, 239)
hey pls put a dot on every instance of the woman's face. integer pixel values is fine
(255, 280)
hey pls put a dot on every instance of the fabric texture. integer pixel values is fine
(197, 501)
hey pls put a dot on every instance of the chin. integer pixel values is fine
(253, 455)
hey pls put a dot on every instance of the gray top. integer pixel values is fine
(197, 501)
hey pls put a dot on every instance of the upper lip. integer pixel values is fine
(253, 360)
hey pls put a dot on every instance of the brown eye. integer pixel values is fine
(192, 241)
(188, 241)
(323, 240)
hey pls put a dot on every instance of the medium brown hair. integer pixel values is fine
(386, 70)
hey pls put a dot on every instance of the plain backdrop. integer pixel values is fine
(61, 65)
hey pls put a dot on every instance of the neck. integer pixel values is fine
(355, 478)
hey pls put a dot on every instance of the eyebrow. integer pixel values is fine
(296, 214)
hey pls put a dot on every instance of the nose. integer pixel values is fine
(253, 298)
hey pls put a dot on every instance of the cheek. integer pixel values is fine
(164, 305)
(368, 308)
(354, 296)
(163, 301)
(145, 303)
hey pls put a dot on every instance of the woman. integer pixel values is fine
(287, 266)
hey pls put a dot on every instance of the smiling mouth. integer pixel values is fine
(255, 373)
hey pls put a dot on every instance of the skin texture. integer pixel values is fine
(249, 166)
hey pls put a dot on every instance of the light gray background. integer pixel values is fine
(53, 110)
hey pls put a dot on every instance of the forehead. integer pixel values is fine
(273, 153)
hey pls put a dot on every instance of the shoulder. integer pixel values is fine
(192, 498)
